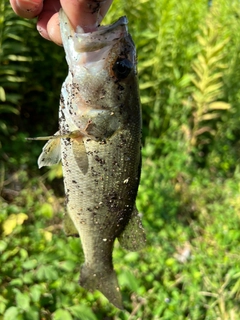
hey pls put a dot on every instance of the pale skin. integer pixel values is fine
(87, 14)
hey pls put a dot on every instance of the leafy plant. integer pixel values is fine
(206, 104)
(12, 51)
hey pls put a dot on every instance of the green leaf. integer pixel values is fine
(28, 277)
(14, 57)
(35, 292)
(62, 314)
(68, 265)
(4, 108)
(46, 272)
(209, 116)
(32, 314)
(126, 278)
(16, 282)
(219, 105)
(22, 300)
(2, 94)
(3, 245)
(46, 210)
(11, 313)
(82, 312)
(3, 304)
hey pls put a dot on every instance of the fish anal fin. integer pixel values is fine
(51, 153)
(105, 281)
(133, 237)
(80, 155)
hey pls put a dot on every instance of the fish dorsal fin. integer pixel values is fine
(51, 153)
(80, 155)
(133, 237)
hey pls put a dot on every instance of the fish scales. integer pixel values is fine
(99, 144)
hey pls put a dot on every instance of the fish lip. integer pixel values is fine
(92, 41)
(122, 21)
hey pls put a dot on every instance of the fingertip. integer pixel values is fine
(79, 14)
(27, 8)
(53, 29)
(43, 32)
(48, 27)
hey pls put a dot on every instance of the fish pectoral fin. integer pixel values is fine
(69, 227)
(80, 155)
(133, 237)
(51, 152)
(104, 280)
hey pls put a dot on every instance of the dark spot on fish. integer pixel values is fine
(66, 199)
(62, 100)
(100, 160)
(120, 87)
(115, 163)
(94, 6)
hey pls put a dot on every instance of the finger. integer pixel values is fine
(104, 9)
(43, 20)
(54, 30)
(86, 13)
(80, 14)
(48, 23)
(27, 8)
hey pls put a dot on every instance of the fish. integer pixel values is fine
(99, 146)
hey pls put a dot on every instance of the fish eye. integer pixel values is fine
(122, 67)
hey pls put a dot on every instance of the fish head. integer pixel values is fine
(101, 63)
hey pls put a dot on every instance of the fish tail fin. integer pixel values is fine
(105, 281)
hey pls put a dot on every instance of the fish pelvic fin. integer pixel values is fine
(133, 237)
(80, 155)
(69, 227)
(105, 281)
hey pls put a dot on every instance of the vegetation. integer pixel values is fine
(189, 73)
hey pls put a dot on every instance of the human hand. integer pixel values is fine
(85, 13)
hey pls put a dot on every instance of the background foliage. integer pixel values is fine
(189, 73)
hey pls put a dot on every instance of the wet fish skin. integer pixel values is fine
(100, 148)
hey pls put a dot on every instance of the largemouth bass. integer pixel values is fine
(99, 144)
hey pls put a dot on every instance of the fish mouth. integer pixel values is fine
(102, 37)
(89, 52)
(92, 41)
